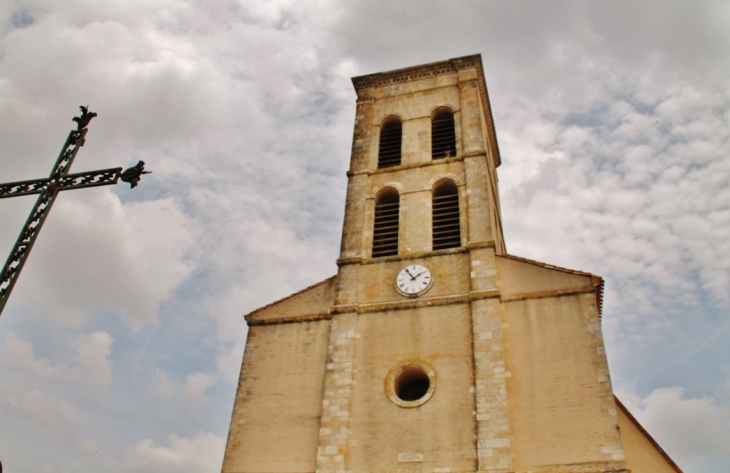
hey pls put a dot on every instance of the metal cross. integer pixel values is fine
(48, 188)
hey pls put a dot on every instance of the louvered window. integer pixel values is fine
(443, 135)
(391, 135)
(446, 223)
(385, 228)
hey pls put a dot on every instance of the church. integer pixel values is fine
(432, 349)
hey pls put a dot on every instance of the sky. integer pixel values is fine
(121, 344)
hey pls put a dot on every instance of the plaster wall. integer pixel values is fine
(561, 407)
(382, 436)
(276, 414)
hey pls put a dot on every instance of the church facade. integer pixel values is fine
(432, 349)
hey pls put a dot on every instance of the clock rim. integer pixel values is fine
(415, 294)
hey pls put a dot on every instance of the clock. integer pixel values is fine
(412, 280)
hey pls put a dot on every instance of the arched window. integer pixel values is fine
(391, 134)
(443, 135)
(385, 226)
(446, 221)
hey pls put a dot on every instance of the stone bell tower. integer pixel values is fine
(432, 349)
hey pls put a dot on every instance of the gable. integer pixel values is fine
(520, 277)
(309, 303)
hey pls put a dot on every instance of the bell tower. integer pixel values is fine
(431, 349)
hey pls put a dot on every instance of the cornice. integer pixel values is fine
(423, 71)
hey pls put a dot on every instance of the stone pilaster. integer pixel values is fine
(334, 431)
(493, 436)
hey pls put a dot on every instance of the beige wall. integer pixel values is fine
(276, 415)
(559, 392)
(442, 429)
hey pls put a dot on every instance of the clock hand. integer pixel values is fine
(409, 273)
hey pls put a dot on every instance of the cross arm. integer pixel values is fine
(101, 177)
(16, 189)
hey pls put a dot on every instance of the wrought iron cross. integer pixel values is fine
(48, 188)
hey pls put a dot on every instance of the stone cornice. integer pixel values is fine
(290, 320)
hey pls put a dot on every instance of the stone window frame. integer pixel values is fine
(397, 370)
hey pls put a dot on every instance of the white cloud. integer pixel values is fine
(92, 366)
(20, 353)
(689, 429)
(88, 362)
(201, 453)
(195, 386)
(44, 408)
(99, 254)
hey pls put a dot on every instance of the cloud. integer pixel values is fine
(92, 366)
(195, 386)
(20, 353)
(200, 453)
(100, 254)
(40, 407)
(638, 195)
(88, 363)
(691, 430)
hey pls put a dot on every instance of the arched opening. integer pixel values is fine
(443, 135)
(446, 216)
(391, 137)
(386, 222)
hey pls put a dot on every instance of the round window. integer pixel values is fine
(410, 383)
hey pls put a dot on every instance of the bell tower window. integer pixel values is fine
(446, 219)
(391, 135)
(443, 134)
(385, 226)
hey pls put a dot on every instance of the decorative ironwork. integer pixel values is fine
(48, 188)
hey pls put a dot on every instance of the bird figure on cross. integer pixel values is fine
(134, 174)
(85, 118)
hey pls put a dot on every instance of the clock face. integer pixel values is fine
(413, 279)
